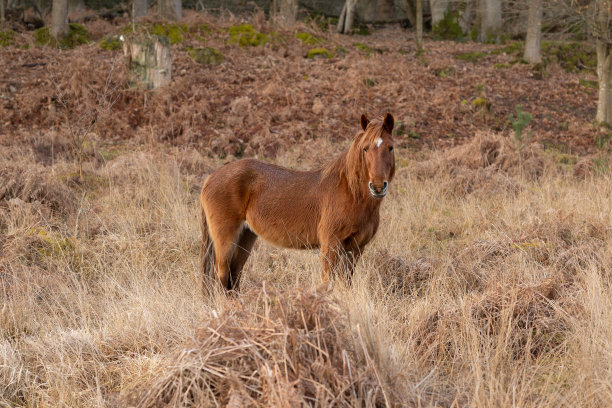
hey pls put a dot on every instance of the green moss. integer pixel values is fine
(77, 35)
(444, 72)
(571, 56)
(7, 38)
(473, 57)
(206, 55)
(362, 29)
(340, 51)
(309, 39)
(111, 43)
(448, 28)
(52, 244)
(500, 65)
(588, 83)
(42, 36)
(319, 53)
(479, 102)
(176, 33)
(245, 35)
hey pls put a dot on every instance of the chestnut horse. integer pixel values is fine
(335, 208)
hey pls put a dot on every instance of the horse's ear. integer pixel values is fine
(388, 123)
(364, 122)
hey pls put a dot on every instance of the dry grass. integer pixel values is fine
(481, 297)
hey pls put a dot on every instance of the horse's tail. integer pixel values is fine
(207, 256)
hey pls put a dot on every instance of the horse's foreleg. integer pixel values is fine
(241, 254)
(330, 255)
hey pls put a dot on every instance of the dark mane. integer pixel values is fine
(349, 165)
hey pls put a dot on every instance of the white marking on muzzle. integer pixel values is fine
(379, 142)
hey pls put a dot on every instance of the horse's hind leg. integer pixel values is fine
(225, 237)
(241, 254)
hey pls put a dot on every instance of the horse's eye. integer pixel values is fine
(365, 149)
(390, 148)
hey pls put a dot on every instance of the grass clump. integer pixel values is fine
(309, 39)
(501, 65)
(7, 38)
(588, 83)
(319, 53)
(367, 49)
(246, 36)
(110, 43)
(206, 55)
(572, 57)
(77, 35)
(448, 28)
(472, 57)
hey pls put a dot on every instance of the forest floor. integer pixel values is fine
(487, 285)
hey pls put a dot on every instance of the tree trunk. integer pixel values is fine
(534, 33)
(604, 74)
(2, 17)
(490, 20)
(341, 19)
(171, 10)
(140, 8)
(409, 14)
(345, 22)
(287, 12)
(419, 25)
(149, 61)
(438, 9)
(59, 19)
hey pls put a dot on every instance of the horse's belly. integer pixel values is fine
(286, 233)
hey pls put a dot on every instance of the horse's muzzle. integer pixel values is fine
(378, 192)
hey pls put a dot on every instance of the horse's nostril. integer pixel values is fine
(385, 185)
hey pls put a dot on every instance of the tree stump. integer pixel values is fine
(149, 61)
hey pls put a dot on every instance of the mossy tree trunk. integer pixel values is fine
(139, 8)
(534, 33)
(604, 74)
(149, 61)
(59, 19)
(419, 25)
(171, 10)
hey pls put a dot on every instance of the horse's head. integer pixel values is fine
(376, 146)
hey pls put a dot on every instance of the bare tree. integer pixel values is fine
(534, 33)
(59, 19)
